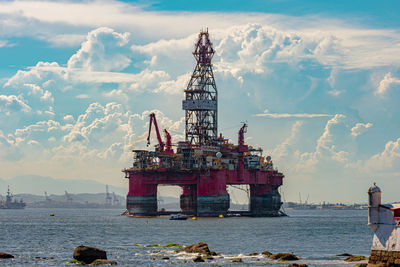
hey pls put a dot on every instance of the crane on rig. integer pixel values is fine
(162, 145)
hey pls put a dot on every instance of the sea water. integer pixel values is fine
(316, 236)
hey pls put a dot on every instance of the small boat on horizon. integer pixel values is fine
(178, 217)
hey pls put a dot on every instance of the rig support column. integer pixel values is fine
(264, 200)
(188, 199)
(212, 197)
(142, 198)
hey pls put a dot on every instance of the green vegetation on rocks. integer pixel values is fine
(100, 262)
(151, 246)
(172, 246)
(207, 257)
(77, 262)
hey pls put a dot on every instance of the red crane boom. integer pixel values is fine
(241, 134)
(160, 142)
(168, 147)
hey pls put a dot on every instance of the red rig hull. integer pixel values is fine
(204, 192)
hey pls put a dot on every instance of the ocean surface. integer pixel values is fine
(315, 236)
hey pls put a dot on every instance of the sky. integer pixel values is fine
(318, 83)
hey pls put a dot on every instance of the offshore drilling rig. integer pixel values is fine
(205, 163)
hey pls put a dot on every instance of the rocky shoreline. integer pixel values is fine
(199, 252)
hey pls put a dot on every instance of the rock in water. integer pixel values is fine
(266, 253)
(5, 256)
(201, 248)
(89, 254)
(344, 255)
(297, 265)
(103, 262)
(198, 259)
(355, 258)
(284, 257)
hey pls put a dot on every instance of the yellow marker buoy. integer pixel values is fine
(221, 216)
(51, 214)
(194, 218)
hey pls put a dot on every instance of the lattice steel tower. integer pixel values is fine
(201, 102)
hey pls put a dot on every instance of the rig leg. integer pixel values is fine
(264, 201)
(212, 206)
(188, 200)
(212, 197)
(143, 200)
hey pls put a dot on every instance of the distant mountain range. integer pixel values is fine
(36, 185)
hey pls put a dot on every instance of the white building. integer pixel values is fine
(384, 220)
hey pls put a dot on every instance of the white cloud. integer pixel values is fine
(36, 130)
(325, 149)
(10, 103)
(174, 87)
(71, 40)
(332, 41)
(39, 75)
(385, 83)
(116, 93)
(102, 51)
(47, 97)
(388, 160)
(5, 43)
(335, 93)
(360, 128)
(284, 148)
(68, 118)
(8, 150)
(294, 115)
(113, 151)
(82, 96)
(33, 142)
(34, 89)
(148, 80)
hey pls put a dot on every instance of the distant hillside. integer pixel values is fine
(36, 185)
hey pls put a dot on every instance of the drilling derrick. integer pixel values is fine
(201, 102)
(205, 163)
